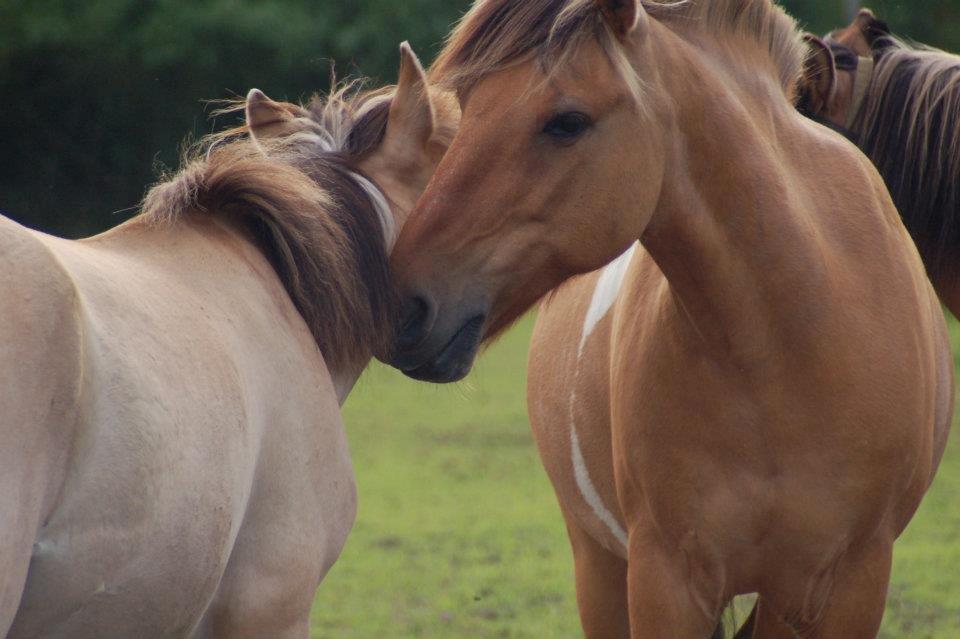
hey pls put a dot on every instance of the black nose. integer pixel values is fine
(415, 314)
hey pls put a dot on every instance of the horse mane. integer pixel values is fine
(316, 220)
(909, 126)
(495, 34)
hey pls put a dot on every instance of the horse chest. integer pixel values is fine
(698, 450)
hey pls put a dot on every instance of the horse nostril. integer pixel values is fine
(414, 316)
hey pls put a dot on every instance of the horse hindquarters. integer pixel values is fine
(39, 383)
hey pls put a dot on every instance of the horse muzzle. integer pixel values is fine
(428, 351)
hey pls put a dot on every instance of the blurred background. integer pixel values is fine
(95, 96)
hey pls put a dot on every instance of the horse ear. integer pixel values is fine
(870, 22)
(267, 118)
(411, 119)
(872, 27)
(623, 16)
(819, 75)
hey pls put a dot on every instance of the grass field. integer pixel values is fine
(459, 535)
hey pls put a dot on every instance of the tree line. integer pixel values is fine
(95, 97)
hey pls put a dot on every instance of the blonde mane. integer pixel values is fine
(760, 21)
(312, 215)
(496, 34)
(909, 126)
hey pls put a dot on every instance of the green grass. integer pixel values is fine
(459, 536)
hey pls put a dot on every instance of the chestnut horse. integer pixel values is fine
(901, 105)
(174, 462)
(756, 396)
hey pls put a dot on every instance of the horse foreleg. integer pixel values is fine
(601, 579)
(765, 623)
(859, 594)
(674, 592)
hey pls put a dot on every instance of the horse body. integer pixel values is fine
(682, 430)
(175, 461)
(756, 399)
(204, 413)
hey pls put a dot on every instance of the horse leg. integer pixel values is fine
(676, 593)
(765, 623)
(746, 630)
(859, 595)
(601, 579)
(296, 523)
(261, 594)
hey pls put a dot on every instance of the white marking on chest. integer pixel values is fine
(585, 484)
(604, 295)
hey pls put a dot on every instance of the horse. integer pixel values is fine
(900, 104)
(174, 460)
(755, 396)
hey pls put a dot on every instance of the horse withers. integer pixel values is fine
(900, 104)
(174, 462)
(755, 397)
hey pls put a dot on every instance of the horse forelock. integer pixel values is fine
(908, 126)
(324, 227)
(496, 34)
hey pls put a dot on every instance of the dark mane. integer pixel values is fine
(909, 126)
(310, 215)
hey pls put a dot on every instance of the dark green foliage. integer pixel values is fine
(934, 22)
(95, 94)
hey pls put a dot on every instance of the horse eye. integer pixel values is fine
(566, 126)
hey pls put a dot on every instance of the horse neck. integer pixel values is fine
(724, 233)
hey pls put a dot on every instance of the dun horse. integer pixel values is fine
(756, 396)
(901, 105)
(173, 461)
